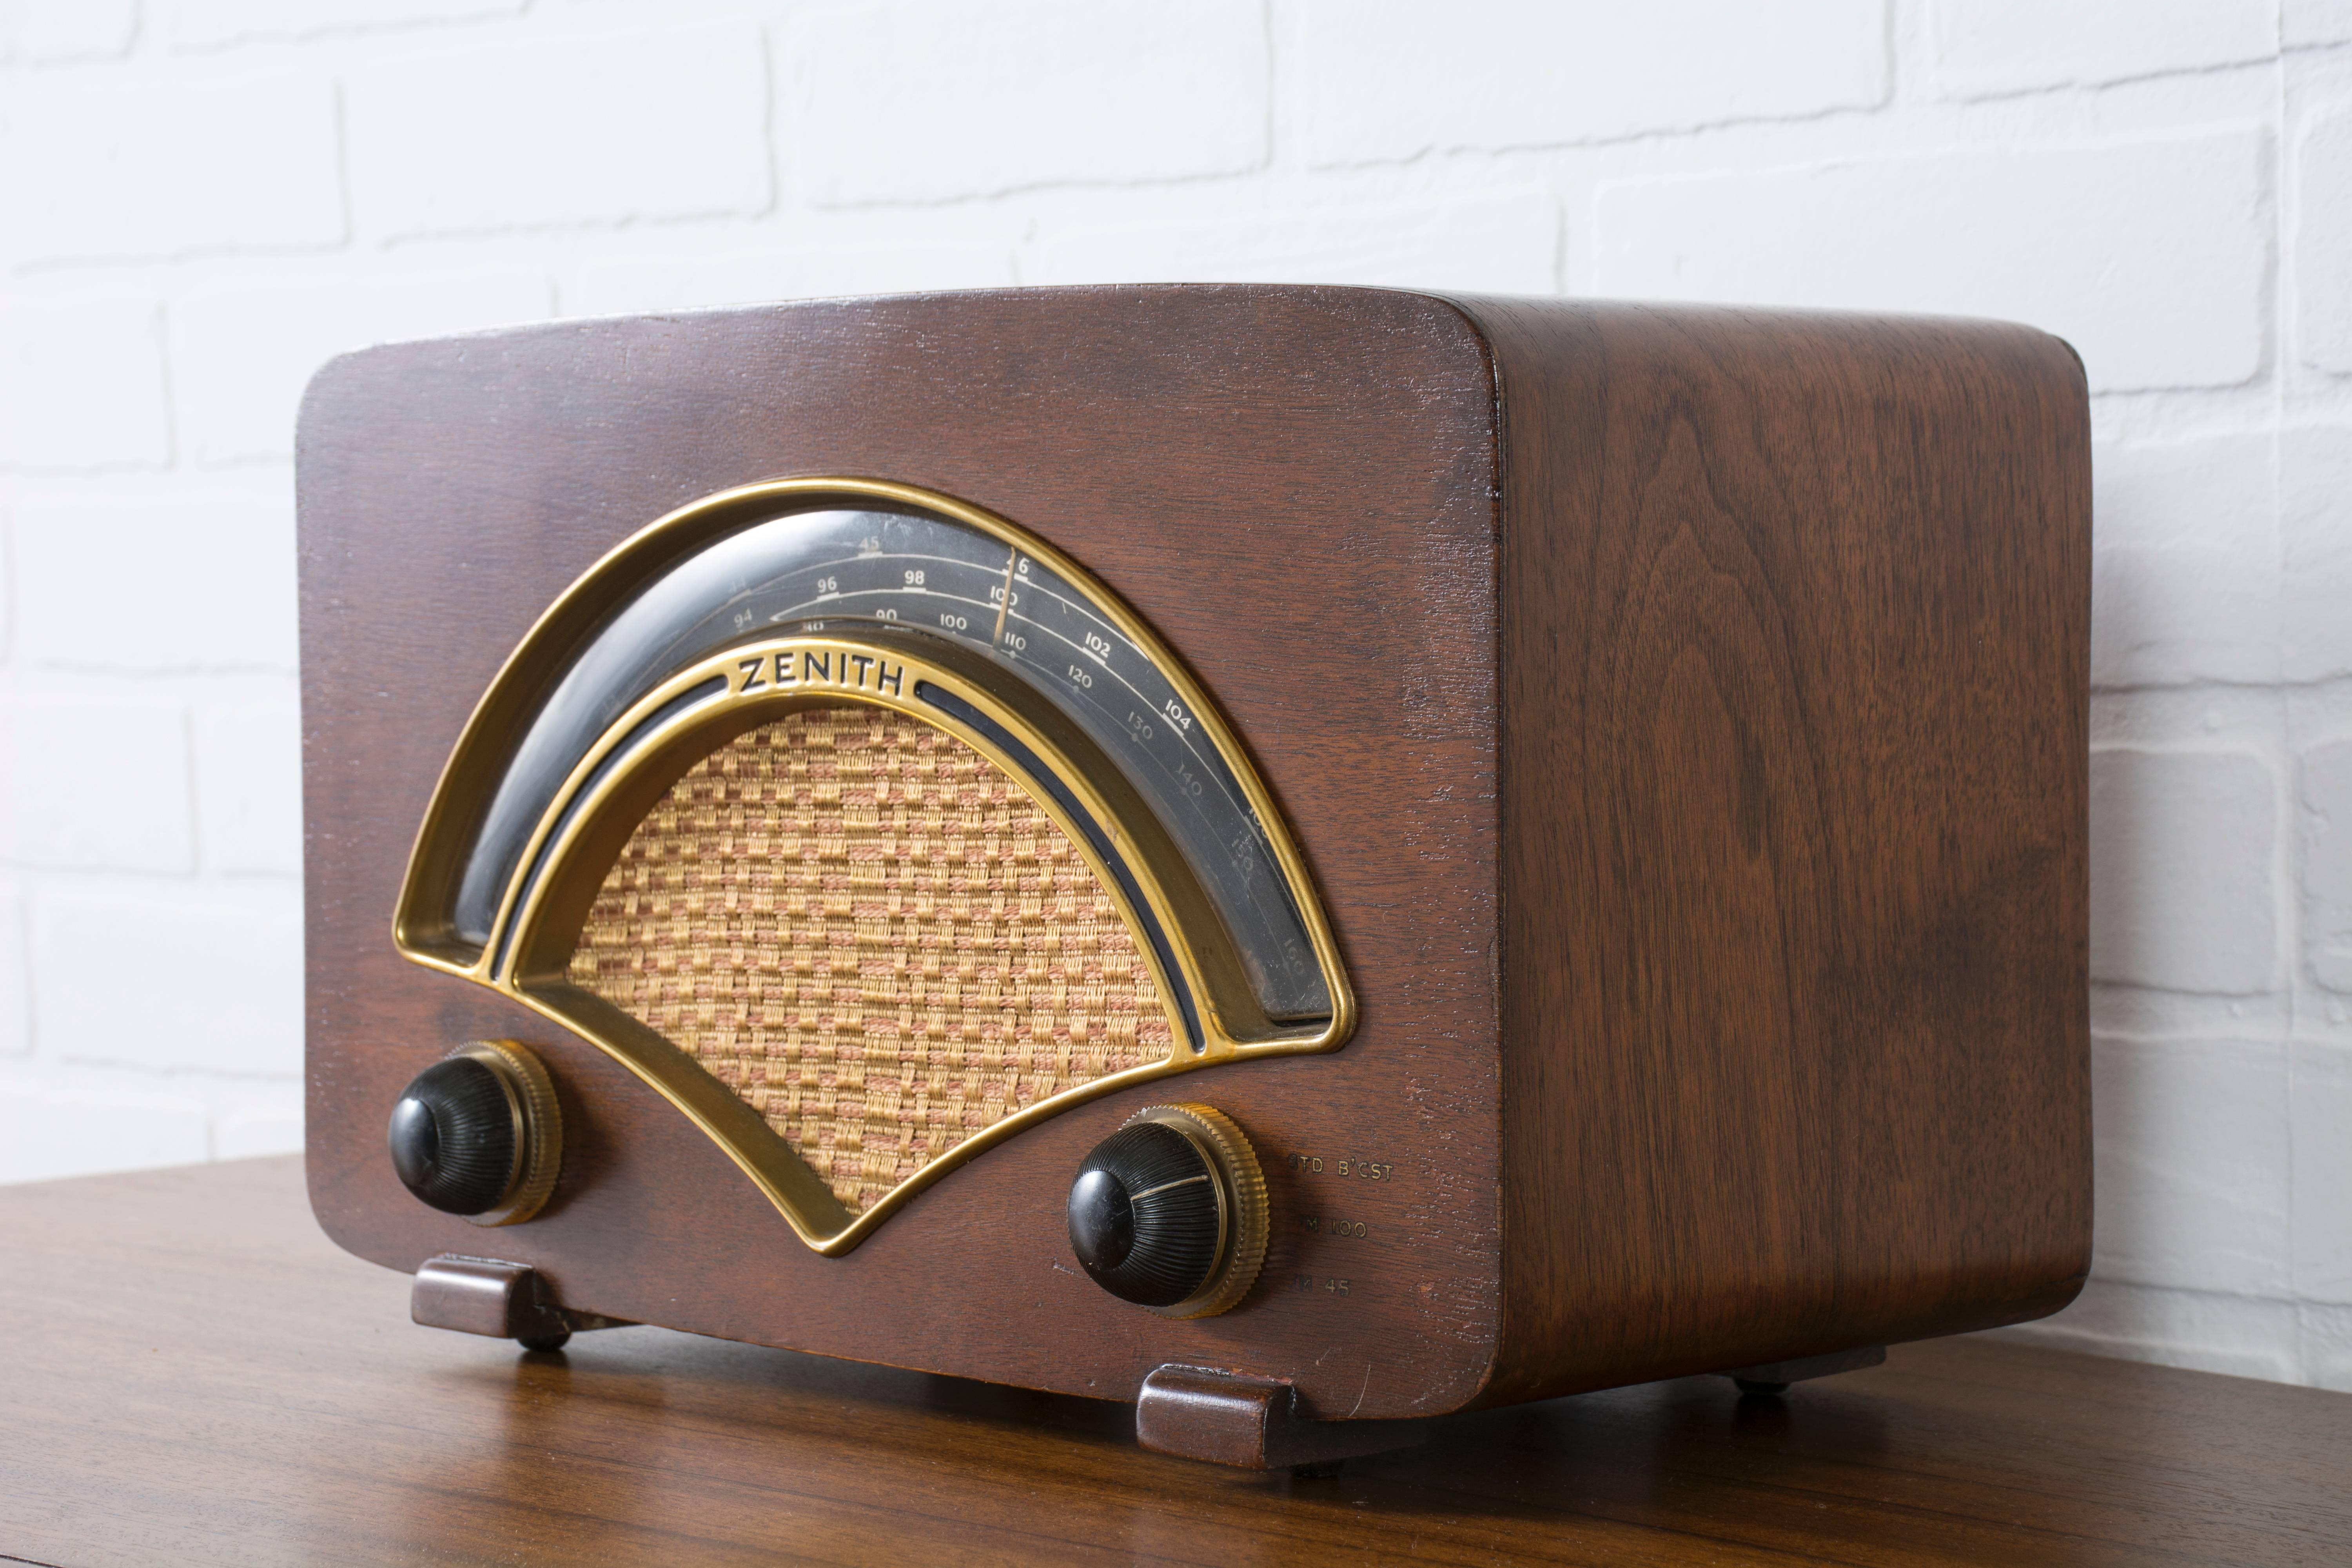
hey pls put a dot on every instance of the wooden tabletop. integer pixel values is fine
(191, 1374)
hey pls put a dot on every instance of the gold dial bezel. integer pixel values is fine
(587, 822)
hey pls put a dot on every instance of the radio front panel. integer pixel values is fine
(860, 837)
(803, 802)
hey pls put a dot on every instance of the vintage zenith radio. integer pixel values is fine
(1307, 857)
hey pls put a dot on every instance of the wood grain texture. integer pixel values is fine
(1795, 638)
(1682, 712)
(1294, 487)
(196, 1376)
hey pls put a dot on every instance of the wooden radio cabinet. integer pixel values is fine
(1539, 844)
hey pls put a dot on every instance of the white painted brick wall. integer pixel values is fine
(213, 982)
(85, 386)
(2095, 242)
(15, 999)
(206, 198)
(2185, 561)
(1387, 80)
(2172, 831)
(1506, 244)
(2193, 1164)
(249, 784)
(2303, 22)
(695, 278)
(200, 583)
(213, 24)
(2326, 855)
(2322, 1143)
(1987, 47)
(2315, 551)
(95, 781)
(898, 103)
(605, 128)
(2323, 243)
(93, 31)
(169, 165)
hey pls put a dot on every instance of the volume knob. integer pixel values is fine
(1169, 1212)
(477, 1134)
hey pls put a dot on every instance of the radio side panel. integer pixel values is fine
(1294, 487)
(1795, 637)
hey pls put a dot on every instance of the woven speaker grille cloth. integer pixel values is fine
(869, 933)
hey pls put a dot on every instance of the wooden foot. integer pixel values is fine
(1774, 1377)
(1252, 1422)
(504, 1301)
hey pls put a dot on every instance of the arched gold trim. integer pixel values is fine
(584, 826)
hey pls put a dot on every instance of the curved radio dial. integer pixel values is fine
(477, 1134)
(1169, 1212)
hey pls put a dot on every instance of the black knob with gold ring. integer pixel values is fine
(1169, 1212)
(477, 1134)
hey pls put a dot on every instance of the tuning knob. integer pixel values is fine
(477, 1134)
(1169, 1212)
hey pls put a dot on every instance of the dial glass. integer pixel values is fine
(923, 575)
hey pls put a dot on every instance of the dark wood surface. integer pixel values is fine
(195, 1376)
(1795, 967)
(1295, 487)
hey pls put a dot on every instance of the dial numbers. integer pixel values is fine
(927, 576)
